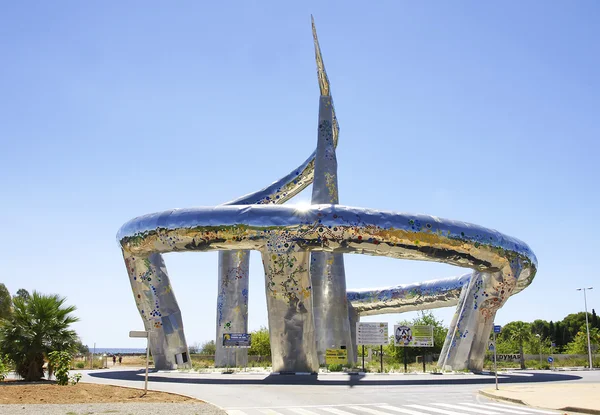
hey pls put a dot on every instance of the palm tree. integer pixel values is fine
(37, 326)
(521, 333)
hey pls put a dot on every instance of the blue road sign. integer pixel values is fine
(497, 329)
(550, 359)
(552, 344)
(237, 340)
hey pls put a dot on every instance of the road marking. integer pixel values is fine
(436, 410)
(510, 411)
(537, 411)
(402, 410)
(236, 412)
(270, 412)
(477, 411)
(303, 411)
(337, 411)
(304, 406)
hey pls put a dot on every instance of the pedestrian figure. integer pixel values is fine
(120, 359)
(114, 360)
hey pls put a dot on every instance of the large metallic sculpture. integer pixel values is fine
(308, 307)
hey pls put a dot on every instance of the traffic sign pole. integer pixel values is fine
(147, 364)
(363, 356)
(142, 334)
(495, 363)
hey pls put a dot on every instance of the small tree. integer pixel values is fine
(23, 293)
(520, 333)
(260, 343)
(5, 303)
(208, 348)
(37, 327)
(579, 344)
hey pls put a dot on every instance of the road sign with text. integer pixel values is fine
(241, 340)
(373, 334)
(413, 336)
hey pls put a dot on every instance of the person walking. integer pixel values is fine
(120, 359)
(114, 360)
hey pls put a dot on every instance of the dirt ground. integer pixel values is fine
(50, 393)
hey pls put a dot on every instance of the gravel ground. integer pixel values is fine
(113, 408)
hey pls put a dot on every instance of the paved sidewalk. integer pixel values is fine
(154, 408)
(582, 397)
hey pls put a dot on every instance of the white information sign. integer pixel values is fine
(373, 334)
(413, 336)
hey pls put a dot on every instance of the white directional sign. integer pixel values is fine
(374, 334)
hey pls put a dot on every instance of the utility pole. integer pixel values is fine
(587, 325)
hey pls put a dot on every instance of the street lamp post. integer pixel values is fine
(587, 325)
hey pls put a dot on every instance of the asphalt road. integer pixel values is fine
(337, 394)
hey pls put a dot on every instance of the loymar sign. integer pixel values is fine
(509, 357)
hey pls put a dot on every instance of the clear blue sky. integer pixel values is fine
(477, 111)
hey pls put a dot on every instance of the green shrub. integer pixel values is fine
(60, 362)
(202, 364)
(80, 365)
(37, 326)
(335, 367)
(4, 367)
(74, 380)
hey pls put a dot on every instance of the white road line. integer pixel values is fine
(337, 411)
(235, 412)
(303, 411)
(537, 411)
(510, 411)
(304, 406)
(270, 412)
(436, 410)
(462, 408)
(402, 410)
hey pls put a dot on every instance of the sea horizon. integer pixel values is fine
(117, 350)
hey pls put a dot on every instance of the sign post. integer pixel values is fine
(142, 334)
(497, 329)
(363, 356)
(372, 334)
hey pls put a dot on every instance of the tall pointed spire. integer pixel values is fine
(321, 73)
(323, 79)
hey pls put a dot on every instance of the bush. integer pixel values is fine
(60, 362)
(202, 364)
(80, 365)
(535, 364)
(4, 367)
(335, 367)
(36, 327)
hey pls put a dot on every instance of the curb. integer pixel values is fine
(582, 410)
(502, 398)
(155, 390)
(520, 402)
